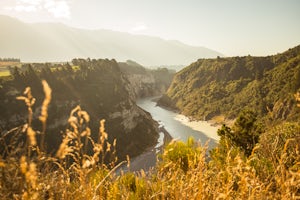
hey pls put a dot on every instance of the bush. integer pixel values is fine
(245, 132)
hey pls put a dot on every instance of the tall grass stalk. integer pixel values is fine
(184, 171)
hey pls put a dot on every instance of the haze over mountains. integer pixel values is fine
(52, 42)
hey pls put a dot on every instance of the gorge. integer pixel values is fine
(261, 144)
(101, 87)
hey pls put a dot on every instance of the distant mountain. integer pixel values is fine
(51, 42)
(218, 87)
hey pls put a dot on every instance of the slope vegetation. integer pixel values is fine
(226, 86)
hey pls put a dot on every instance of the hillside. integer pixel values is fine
(224, 87)
(57, 42)
(98, 86)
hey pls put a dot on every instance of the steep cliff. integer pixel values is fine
(225, 86)
(146, 82)
(98, 86)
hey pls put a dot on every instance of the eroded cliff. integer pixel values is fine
(146, 82)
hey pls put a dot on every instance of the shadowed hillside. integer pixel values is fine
(98, 86)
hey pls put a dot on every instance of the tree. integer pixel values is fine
(244, 133)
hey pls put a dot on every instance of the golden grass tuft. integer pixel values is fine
(184, 171)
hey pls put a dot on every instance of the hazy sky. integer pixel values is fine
(232, 27)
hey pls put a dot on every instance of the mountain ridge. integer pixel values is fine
(40, 42)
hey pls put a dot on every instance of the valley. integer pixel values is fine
(154, 123)
(99, 87)
(149, 100)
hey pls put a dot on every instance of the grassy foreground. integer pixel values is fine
(82, 169)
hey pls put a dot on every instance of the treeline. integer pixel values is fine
(10, 60)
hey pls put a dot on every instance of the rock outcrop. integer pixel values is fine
(146, 82)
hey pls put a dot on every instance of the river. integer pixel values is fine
(178, 126)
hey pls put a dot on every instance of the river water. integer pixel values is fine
(179, 126)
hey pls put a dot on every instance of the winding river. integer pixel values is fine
(179, 126)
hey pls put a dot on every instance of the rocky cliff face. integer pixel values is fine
(145, 82)
(98, 86)
(144, 85)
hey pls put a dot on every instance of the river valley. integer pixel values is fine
(179, 127)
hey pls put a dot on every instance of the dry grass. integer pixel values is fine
(27, 172)
(4, 73)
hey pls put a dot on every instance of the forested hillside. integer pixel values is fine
(224, 87)
(98, 86)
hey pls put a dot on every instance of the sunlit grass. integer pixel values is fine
(4, 73)
(183, 172)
